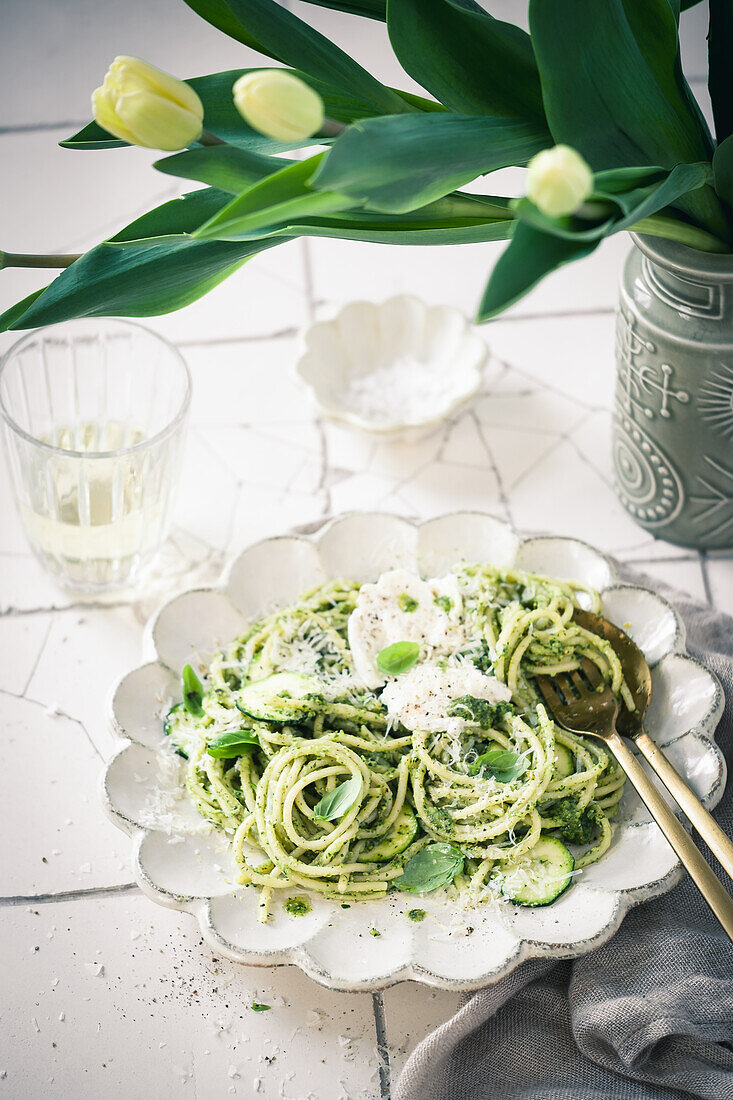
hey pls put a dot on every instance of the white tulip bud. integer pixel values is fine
(558, 181)
(278, 104)
(144, 106)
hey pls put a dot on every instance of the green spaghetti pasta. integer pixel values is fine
(331, 792)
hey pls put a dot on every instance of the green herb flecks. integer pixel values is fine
(416, 915)
(407, 603)
(193, 692)
(298, 906)
(575, 825)
(235, 743)
(338, 801)
(480, 711)
(398, 657)
(431, 868)
(374, 932)
(445, 603)
(256, 1006)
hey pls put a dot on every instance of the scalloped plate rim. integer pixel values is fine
(199, 906)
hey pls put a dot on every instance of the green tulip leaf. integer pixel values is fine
(15, 312)
(370, 9)
(590, 100)
(723, 170)
(226, 167)
(531, 255)
(620, 209)
(175, 217)
(400, 163)
(471, 62)
(141, 279)
(283, 195)
(267, 27)
(612, 120)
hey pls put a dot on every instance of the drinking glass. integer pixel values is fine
(94, 417)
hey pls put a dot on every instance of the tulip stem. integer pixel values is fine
(207, 138)
(20, 259)
(331, 128)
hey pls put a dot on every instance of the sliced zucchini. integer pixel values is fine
(398, 837)
(284, 697)
(540, 876)
(564, 761)
(170, 727)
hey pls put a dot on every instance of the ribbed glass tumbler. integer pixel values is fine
(94, 417)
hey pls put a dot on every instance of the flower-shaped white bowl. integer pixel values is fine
(179, 864)
(392, 368)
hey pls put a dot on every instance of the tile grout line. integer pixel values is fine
(37, 127)
(380, 1024)
(69, 895)
(219, 341)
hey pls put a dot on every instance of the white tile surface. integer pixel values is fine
(412, 1012)
(67, 843)
(114, 997)
(162, 1017)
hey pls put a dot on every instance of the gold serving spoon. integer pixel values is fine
(583, 703)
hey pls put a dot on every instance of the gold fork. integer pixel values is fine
(584, 704)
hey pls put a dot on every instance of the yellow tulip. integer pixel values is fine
(278, 104)
(144, 106)
(558, 181)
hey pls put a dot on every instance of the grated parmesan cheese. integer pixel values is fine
(383, 395)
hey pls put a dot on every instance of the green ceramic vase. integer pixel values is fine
(673, 415)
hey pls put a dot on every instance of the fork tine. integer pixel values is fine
(566, 686)
(580, 685)
(595, 679)
(548, 691)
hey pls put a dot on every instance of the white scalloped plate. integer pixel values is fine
(178, 864)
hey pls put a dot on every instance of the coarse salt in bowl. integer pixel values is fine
(392, 368)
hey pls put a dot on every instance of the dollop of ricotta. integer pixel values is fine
(402, 607)
(421, 697)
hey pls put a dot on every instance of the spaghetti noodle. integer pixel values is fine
(330, 793)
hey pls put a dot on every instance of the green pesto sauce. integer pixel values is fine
(407, 603)
(416, 915)
(298, 906)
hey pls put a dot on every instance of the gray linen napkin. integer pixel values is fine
(648, 1015)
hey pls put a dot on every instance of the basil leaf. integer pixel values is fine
(193, 692)
(497, 759)
(229, 745)
(338, 801)
(433, 867)
(398, 657)
(501, 764)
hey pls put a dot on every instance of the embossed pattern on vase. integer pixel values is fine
(673, 417)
